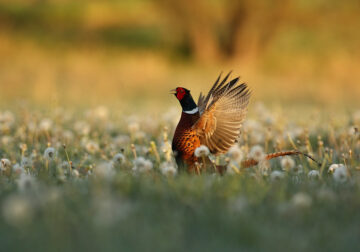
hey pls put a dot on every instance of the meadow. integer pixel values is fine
(98, 179)
(86, 124)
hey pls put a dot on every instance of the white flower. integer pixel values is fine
(287, 163)
(353, 130)
(75, 173)
(276, 175)
(235, 154)
(314, 175)
(257, 153)
(167, 168)
(142, 165)
(333, 167)
(46, 124)
(119, 158)
(301, 200)
(26, 182)
(49, 153)
(202, 151)
(340, 174)
(17, 210)
(5, 164)
(92, 147)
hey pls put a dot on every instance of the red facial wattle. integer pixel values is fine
(180, 93)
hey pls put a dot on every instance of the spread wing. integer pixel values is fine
(221, 113)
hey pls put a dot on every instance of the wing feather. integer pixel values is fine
(222, 111)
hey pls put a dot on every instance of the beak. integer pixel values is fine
(173, 91)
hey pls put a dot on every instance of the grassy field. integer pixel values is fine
(70, 181)
(86, 122)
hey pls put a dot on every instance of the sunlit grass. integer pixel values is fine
(98, 178)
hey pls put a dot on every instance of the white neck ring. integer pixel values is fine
(193, 111)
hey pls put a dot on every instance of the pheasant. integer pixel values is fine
(215, 122)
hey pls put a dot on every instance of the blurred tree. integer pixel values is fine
(251, 25)
(230, 28)
(194, 21)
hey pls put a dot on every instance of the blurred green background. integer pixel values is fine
(86, 52)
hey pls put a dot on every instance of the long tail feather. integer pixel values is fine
(251, 162)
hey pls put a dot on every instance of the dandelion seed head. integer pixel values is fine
(168, 169)
(75, 173)
(352, 131)
(236, 154)
(332, 168)
(287, 163)
(202, 151)
(92, 147)
(119, 158)
(142, 165)
(49, 153)
(340, 174)
(257, 153)
(5, 164)
(45, 124)
(314, 175)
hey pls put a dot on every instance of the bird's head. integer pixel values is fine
(187, 102)
(180, 93)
